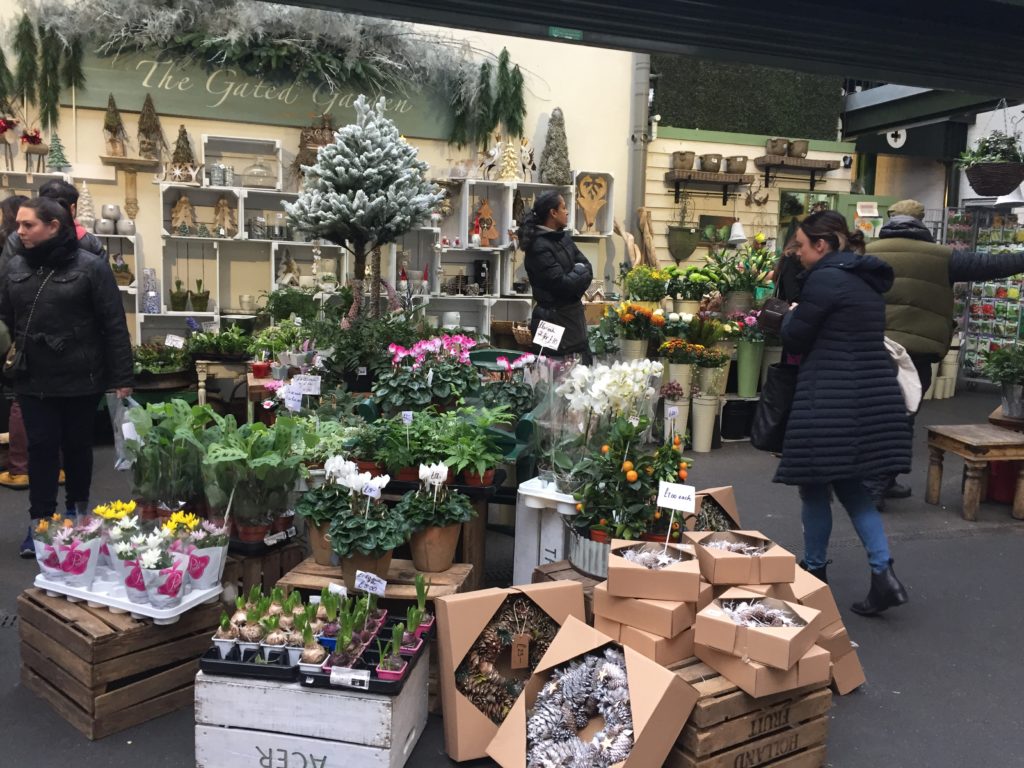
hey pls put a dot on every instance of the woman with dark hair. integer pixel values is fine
(559, 273)
(9, 215)
(67, 321)
(848, 420)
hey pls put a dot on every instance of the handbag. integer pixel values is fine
(906, 375)
(774, 309)
(16, 362)
(771, 415)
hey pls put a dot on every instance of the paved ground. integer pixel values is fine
(945, 676)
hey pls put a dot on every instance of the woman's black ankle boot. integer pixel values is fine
(886, 592)
(821, 574)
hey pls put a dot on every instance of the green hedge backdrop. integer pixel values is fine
(742, 98)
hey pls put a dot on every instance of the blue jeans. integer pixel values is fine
(817, 519)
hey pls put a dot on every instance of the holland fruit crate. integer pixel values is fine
(103, 671)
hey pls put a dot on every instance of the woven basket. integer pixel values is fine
(522, 333)
(994, 179)
(502, 327)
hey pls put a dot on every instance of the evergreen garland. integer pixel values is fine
(485, 120)
(6, 83)
(516, 115)
(26, 72)
(49, 78)
(502, 87)
(72, 74)
(509, 102)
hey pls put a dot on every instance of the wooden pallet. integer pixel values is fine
(104, 672)
(730, 728)
(563, 571)
(310, 577)
(266, 569)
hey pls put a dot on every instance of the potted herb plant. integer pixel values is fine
(436, 516)
(391, 665)
(995, 165)
(200, 298)
(472, 448)
(363, 535)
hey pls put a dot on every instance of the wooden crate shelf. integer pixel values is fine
(310, 577)
(104, 672)
(267, 569)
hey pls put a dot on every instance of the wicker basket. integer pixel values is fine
(798, 148)
(522, 333)
(994, 179)
(711, 163)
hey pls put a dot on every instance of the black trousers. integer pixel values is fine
(55, 425)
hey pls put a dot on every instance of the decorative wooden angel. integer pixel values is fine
(591, 197)
(225, 223)
(183, 215)
(488, 231)
(526, 160)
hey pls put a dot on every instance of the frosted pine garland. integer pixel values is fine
(576, 692)
(739, 547)
(653, 556)
(756, 614)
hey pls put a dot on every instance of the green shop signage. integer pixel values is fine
(185, 89)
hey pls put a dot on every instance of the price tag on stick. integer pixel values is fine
(306, 384)
(293, 400)
(677, 496)
(336, 589)
(548, 335)
(173, 341)
(520, 651)
(370, 582)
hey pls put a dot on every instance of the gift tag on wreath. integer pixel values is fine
(520, 651)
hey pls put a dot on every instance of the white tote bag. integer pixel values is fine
(906, 375)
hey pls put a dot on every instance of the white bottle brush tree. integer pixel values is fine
(365, 190)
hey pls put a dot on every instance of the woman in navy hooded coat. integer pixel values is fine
(848, 420)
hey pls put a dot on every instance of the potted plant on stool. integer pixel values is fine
(436, 517)
(1005, 367)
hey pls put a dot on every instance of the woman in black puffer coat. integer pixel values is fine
(559, 273)
(848, 420)
(75, 344)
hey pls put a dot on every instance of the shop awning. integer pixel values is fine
(953, 45)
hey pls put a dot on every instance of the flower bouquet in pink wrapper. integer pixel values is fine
(129, 552)
(111, 514)
(202, 544)
(78, 548)
(165, 576)
(47, 555)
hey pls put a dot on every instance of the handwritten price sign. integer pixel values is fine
(677, 496)
(548, 335)
(306, 384)
(370, 582)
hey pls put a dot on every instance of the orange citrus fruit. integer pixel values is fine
(627, 466)
(605, 448)
(682, 474)
(579, 507)
(632, 476)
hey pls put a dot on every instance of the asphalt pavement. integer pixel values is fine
(945, 678)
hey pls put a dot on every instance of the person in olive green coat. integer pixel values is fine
(919, 306)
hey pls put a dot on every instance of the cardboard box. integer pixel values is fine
(664, 650)
(835, 639)
(666, 618)
(607, 627)
(660, 701)
(778, 647)
(759, 680)
(460, 620)
(847, 674)
(720, 566)
(806, 590)
(679, 581)
(724, 497)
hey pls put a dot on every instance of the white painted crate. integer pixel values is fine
(244, 723)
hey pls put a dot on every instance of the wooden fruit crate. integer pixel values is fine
(729, 728)
(563, 570)
(104, 672)
(243, 723)
(244, 571)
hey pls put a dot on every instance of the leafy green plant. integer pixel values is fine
(1005, 365)
(232, 342)
(604, 337)
(425, 509)
(287, 302)
(323, 504)
(158, 358)
(518, 396)
(645, 284)
(468, 441)
(283, 336)
(400, 445)
(380, 529)
(168, 453)
(997, 147)
(438, 380)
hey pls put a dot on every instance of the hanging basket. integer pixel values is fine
(522, 334)
(994, 179)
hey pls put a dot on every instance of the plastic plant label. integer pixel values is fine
(430, 377)
(351, 678)
(548, 335)
(672, 412)
(438, 475)
(520, 651)
(361, 370)
(315, 599)
(677, 496)
(211, 326)
(306, 384)
(370, 582)
(174, 341)
(275, 538)
(371, 490)
(407, 417)
(293, 400)
(337, 589)
(129, 432)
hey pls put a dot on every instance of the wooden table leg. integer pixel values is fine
(972, 489)
(934, 488)
(474, 543)
(1018, 497)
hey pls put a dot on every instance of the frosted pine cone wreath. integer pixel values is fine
(739, 547)
(577, 692)
(757, 614)
(654, 557)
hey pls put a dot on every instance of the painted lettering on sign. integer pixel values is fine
(282, 758)
(677, 496)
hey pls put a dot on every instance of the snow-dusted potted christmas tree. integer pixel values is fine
(365, 190)
(554, 160)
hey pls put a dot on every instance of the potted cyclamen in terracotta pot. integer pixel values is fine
(436, 516)
(364, 534)
(391, 665)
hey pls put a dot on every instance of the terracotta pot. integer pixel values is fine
(370, 466)
(251, 534)
(472, 478)
(433, 549)
(601, 537)
(281, 523)
(408, 475)
(376, 563)
(320, 544)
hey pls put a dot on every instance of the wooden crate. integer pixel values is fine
(243, 571)
(310, 577)
(104, 672)
(243, 723)
(729, 728)
(562, 571)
